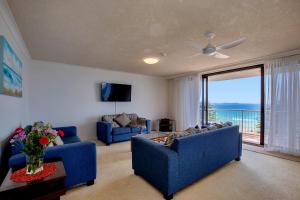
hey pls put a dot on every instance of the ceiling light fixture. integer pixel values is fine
(151, 60)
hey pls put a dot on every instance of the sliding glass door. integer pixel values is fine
(236, 96)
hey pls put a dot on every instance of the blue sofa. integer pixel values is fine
(109, 134)
(188, 159)
(79, 158)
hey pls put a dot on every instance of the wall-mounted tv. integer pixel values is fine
(115, 92)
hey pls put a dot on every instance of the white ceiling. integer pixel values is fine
(118, 34)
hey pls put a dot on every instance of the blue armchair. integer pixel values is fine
(109, 134)
(187, 160)
(79, 158)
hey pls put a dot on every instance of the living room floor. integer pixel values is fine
(256, 176)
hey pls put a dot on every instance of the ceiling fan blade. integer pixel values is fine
(231, 44)
(220, 55)
(195, 55)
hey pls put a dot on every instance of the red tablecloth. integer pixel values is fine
(21, 176)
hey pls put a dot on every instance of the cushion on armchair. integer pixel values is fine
(120, 130)
(58, 140)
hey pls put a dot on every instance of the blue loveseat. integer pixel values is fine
(107, 133)
(79, 158)
(187, 160)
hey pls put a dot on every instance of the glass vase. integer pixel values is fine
(34, 164)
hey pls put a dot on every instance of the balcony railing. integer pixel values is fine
(248, 120)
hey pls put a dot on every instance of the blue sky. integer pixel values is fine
(244, 90)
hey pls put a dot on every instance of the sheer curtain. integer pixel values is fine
(282, 105)
(185, 97)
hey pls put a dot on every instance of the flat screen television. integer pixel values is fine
(115, 92)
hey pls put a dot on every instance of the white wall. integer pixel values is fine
(13, 110)
(69, 95)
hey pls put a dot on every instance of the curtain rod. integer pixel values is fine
(255, 61)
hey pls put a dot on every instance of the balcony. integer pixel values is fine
(248, 121)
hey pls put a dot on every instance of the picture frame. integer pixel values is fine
(10, 70)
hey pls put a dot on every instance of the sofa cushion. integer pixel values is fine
(141, 122)
(121, 130)
(71, 139)
(123, 120)
(123, 137)
(215, 126)
(110, 119)
(193, 130)
(172, 136)
(132, 116)
(133, 123)
(190, 131)
(58, 140)
(136, 130)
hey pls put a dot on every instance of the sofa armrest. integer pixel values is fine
(17, 161)
(156, 163)
(148, 125)
(104, 132)
(240, 150)
(68, 130)
(79, 169)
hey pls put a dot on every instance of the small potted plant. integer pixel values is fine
(35, 141)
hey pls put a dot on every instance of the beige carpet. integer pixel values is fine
(255, 177)
(262, 150)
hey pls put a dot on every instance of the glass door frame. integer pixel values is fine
(204, 109)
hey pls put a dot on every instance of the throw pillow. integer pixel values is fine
(218, 125)
(141, 122)
(203, 130)
(58, 141)
(172, 136)
(212, 127)
(123, 120)
(108, 119)
(215, 126)
(226, 124)
(50, 144)
(190, 131)
(132, 116)
(133, 123)
(170, 139)
(193, 130)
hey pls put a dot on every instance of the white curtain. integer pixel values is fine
(282, 107)
(185, 98)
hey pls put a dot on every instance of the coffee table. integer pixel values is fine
(51, 187)
(157, 136)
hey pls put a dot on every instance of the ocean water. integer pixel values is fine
(247, 116)
(236, 106)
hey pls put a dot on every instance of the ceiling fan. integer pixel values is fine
(212, 50)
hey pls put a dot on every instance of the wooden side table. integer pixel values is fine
(49, 188)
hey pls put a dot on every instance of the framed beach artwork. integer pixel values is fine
(10, 70)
